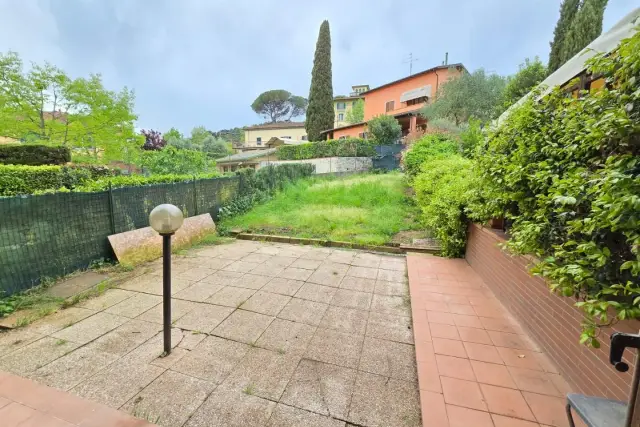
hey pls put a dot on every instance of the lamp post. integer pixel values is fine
(166, 219)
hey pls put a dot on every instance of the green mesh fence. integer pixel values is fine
(55, 234)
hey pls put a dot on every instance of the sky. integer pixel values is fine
(203, 62)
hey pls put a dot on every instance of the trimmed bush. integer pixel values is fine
(34, 155)
(139, 180)
(428, 147)
(350, 147)
(385, 130)
(19, 179)
(441, 190)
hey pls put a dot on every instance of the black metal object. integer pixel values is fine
(166, 291)
(600, 412)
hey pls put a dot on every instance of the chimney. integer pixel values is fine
(446, 58)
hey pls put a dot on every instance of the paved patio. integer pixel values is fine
(476, 366)
(264, 335)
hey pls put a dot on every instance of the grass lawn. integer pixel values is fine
(366, 209)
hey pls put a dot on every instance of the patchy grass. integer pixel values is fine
(367, 209)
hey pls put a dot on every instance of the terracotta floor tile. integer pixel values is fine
(489, 309)
(483, 352)
(440, 317)
(436, 306)
(503, 339)
(14, 413)
(448, 347)
(547, 410)
(462, 393)
(502, 421)
(434, 412)
(534, 381)
(462, 309)
(429, 377)
(519, 358)
(467, 321)
(500, 325)
(479, 336)
(424, 351)
(421, 332)
(438, 330)
(465, 417)
(506, 401)
(455, 367)
(490, 373)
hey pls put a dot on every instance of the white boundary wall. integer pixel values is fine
(331, 164)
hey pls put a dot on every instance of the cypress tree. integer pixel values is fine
(568, 10)
(585, 28)
(320, 114)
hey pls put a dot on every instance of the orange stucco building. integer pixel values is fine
(402, 99)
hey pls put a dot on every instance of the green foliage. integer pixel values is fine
(356, 113)
(385, 130)
(471, 137)
(368, 209)
(34, 155)
(568, 10)
(427, 148)
(320, 114)
(350, 147)
(44, 104)
(172, 133)
(567, 172)
(279, 104)
(585, 27)
(441, 190)
(171, 160)
(139, 180)
(529, 75)
(18, 179)
(201, 140)
(474, 94)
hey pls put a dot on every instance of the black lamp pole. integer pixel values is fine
(166, 291)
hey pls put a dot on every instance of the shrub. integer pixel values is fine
(441, 191)
(385, 130)
(566, 171)
(34, 155)
(18, 179)
(172, 160)
(139, 180)
(430, 146)
(350, 147)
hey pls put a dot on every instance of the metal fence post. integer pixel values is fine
(195, 195)
(111, 212)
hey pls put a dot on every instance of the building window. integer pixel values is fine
(340, 117)
(258, 141)
(389, 106)
(303, 138)
(340, 105)
(362, 135)
(285, 137)
(415, 101)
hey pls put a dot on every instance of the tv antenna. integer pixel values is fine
(410, 60)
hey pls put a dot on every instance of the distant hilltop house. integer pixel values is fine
(257, 136)
(343, 104)
(402, 99)
(253, 158)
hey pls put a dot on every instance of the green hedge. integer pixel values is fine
(34, 155)
(139, 180)
(566, 171)
(19, 179)
(350, 147)
(427, 148)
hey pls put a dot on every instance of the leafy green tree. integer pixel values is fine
(385, 130)
(173, 133)
(44, 104)
(216, 147)
(356, 113)
(568, 10)
(279, 104)
(586, 27)
(530, 74)
(476, 94)
(171, 160)
(232, 135)
(320, 114)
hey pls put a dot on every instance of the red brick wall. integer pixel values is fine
(551, 320)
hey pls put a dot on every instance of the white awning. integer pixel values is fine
(416, 93)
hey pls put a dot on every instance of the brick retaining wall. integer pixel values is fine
(551, 320)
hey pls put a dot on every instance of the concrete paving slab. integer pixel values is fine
(178, 309)
(251, 281)
(358, 284)
(345, 319)
(392, 276)
(318, 293)
(295, 273)
(125, 337)
(106, 300)
(391, 288)
(278, 285)
(321, 388)
(36, 355)
(266, 303)
(286, 416)
(335, 347)
(199, 291)
(152, 283)
(303, 311)
(203, 317)
(77, 284)
(286, 337)
(382, 401)
(90, 328)
(327, 276)
(391, 305)
(352, 299)
(195, 273)
(170, 399)
(388, 358)
(212, 359)
(364, 272)
(243, 326)
(60, 320)
(224, 408)
(14, 339)
(231, 296)
(134, 306)
(390, 327)
(222, 277)
(241, 266)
